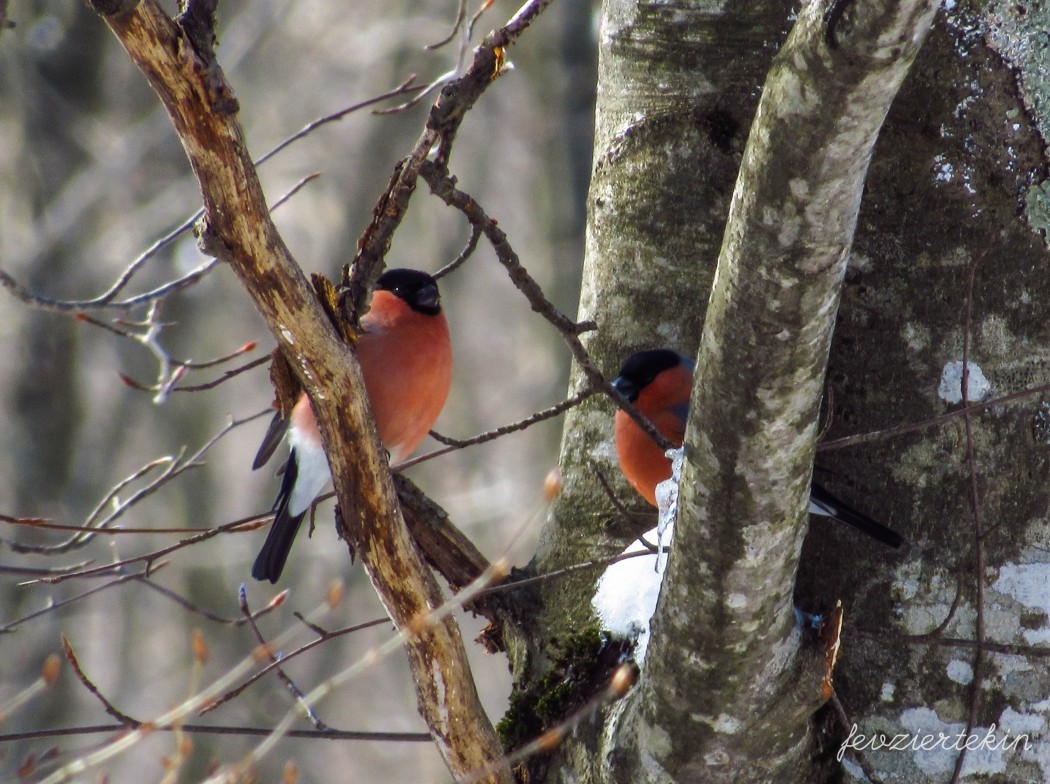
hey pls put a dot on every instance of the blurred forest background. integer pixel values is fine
(92, 175)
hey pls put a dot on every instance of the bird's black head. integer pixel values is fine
(416, 288)
(642, 368)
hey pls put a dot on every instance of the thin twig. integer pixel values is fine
(847, 726)
(466, 253)
(461, 14)
(85, 531)
(424, 91)
(407, 87)
(197, 609)
(977, 682)
(583, 566)
(190, 364)
(204, 729)
(107, 298)
(172, 718)
(443, 122)
(323, 636)
(451, 444)
(31, 571)
(53, 606)
(625, 514)
(1010, 649)
(244, 524)
(37, 522)
(109, 707)
(892, 432)
(173, 468)
(444, 187)
(617, 686)
(275, 663)
(224, 377)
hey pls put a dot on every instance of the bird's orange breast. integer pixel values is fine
(664, 402)
(406, 360)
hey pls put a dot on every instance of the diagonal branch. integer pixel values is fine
(237, 228)
(456, 99)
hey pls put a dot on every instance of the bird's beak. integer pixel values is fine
(626, 388)
(428, 297)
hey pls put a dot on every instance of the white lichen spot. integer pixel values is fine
(1026, 584)
(1017, 723)
(790, 228)
(853, 770)
(888, 691)
(916, 336)
(918, 609)
(603, 451)
(978, 387)
(736, 601)
(860, 262)
(943, 171)
(960, 671)
(726, 723)
(799, 188)
(939, 758)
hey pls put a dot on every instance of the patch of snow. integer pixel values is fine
(978, 387)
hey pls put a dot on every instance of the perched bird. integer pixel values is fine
(659, 383)
(406, 360)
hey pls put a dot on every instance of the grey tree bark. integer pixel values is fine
(936, 636)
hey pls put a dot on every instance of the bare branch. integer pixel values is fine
(452, 444)
(323, 637)
(88, 684)
(238, 229)
(173, 467)
(275, 664)
(466, 253)
(444, 187)
(203, 729)
(447, 114)
(407, 87)
(461, 14)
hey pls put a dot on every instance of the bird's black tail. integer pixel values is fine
(823, 503)
(274, 553)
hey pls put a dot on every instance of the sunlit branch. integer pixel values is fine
(444, 188)
(137, 731)
(451, 444)
(173, 467)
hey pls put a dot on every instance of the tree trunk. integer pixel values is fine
(672, 117)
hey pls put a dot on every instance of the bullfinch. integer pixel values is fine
(406, 361)
(659, 383)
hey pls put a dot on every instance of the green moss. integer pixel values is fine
(581, 666)
(1037, 208)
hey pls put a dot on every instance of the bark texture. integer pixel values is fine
(955, 188)
(727, 692)
(179, 64)
(723, 681)
(675, 98)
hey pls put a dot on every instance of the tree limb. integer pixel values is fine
(237, 228)
(726, 677)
